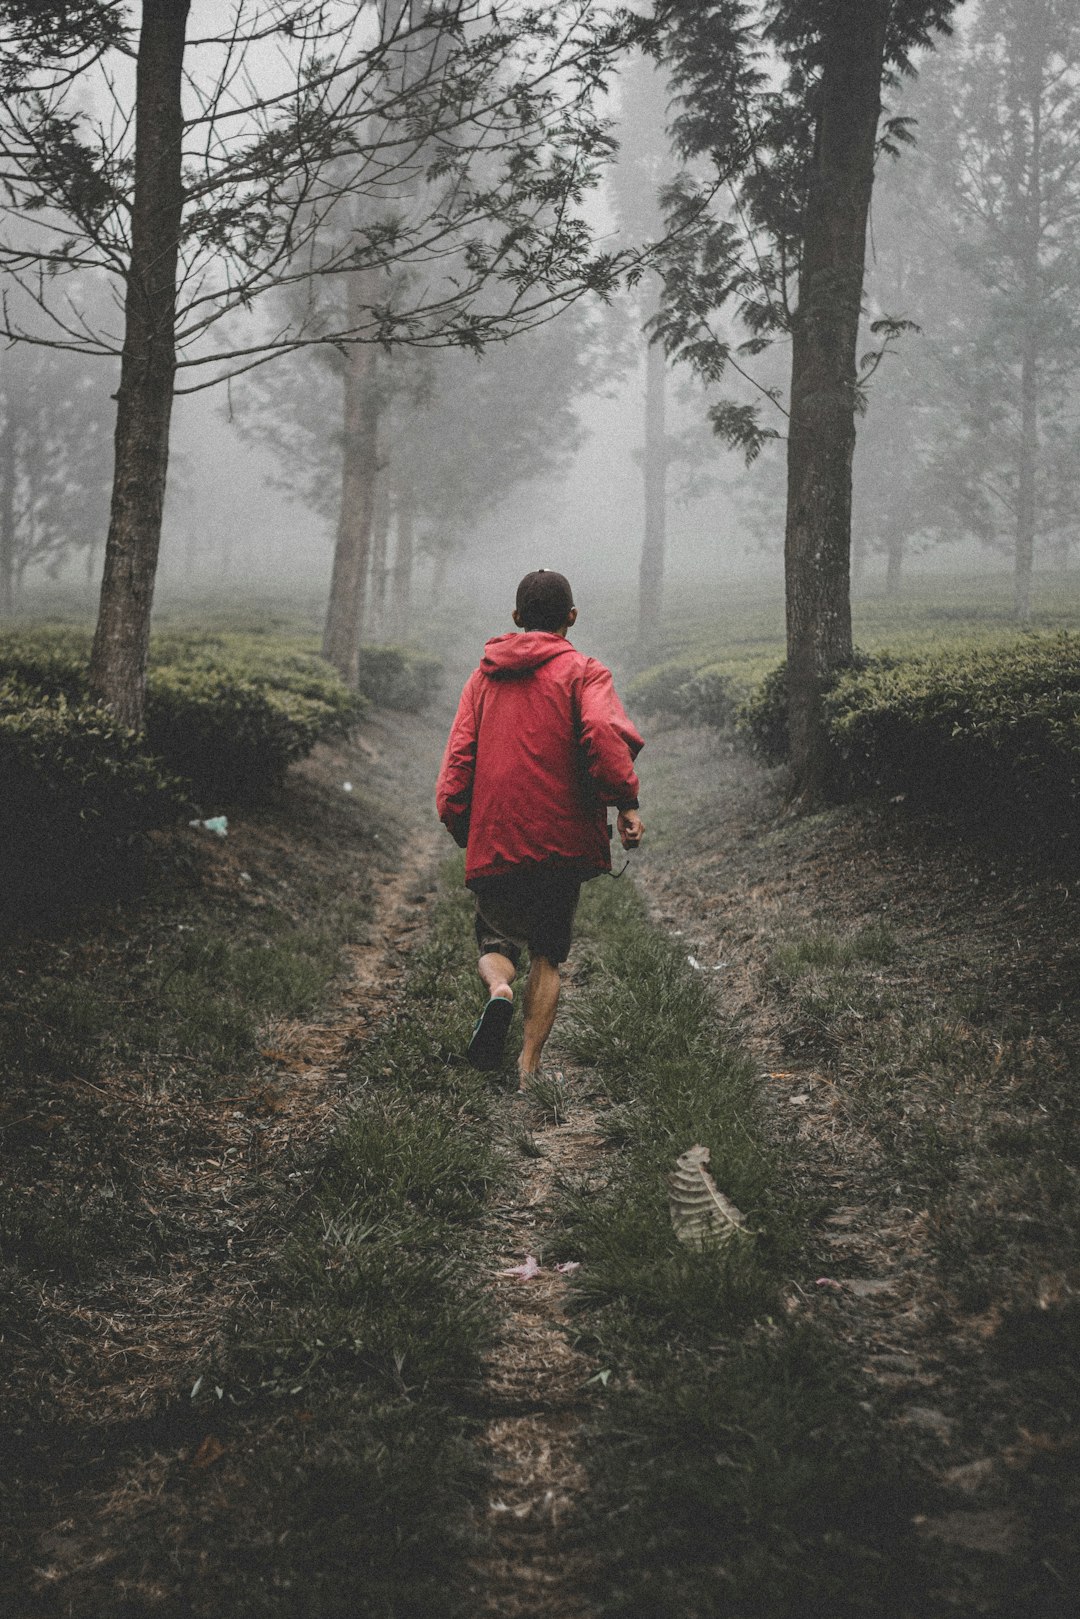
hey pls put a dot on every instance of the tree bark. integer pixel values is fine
(359, 474)
(894, 557)
(404, 555)
(8, 470)
(378, 577)
(1030, 356)
(440, 567)
(147, 368)
(654, 468)
(821, 443)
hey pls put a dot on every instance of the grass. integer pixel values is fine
(336, 1411)
(375, 1319)
(735, 1467)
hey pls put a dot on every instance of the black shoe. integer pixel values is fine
(489, 1037)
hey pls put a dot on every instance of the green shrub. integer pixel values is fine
(229, 713)
(762, 722)
(77, 788)
(231, 737)
(397, 677)
(995, 732)
(692, 696)
(50, 658)
(989, 731)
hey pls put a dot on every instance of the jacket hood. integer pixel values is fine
(518, 653)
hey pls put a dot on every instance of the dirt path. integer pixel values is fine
(535, 1388)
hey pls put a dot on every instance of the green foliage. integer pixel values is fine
(762, 722)
(695, 697)
(990, 730)
(397, 677)
(995, 733)
(226, 712)
(77, 788)
(225, 717)
(231, 736)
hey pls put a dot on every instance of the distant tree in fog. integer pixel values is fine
(781, 108)
(55, 461)
(205, 181)
(458, 433)
(645, 166)
(1007, 172)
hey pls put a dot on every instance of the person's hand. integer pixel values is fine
(631, 828)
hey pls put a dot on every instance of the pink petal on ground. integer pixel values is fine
(525, 1272)
(827, 1281)
(567, 1266)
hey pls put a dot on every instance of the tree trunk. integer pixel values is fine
(379, 572)
(8, 466)
(147, 368)
(1027, 468)
(821, 441)
(654, 467)
(359, 473)
(440, 567)
(894, 557)
(404, 554)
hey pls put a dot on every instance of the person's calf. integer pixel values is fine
(498, 973)
(541, 1004)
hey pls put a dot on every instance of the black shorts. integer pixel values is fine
(531, 906)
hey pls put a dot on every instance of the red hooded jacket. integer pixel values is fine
(539, 747)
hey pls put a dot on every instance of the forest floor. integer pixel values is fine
(263, 1344)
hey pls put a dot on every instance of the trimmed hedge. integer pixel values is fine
(397, 677)
(229, 714)
(691, 696)
(232, 737)
(77, 789)
(762, 722)
(992, 732)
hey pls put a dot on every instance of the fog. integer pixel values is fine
(537, 453)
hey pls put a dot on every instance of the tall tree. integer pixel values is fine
(54, 463)
(459, 432)
(233, 184)
(644, 166)
(1015, 184)
(781, 116)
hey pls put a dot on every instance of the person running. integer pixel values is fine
(539, 749)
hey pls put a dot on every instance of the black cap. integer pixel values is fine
(544, 600)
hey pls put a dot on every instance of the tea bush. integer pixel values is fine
(397, 677)
(228, 713)
(761, 723)
(691, 696)
(77, 788)
(995, 732)
(991, 731)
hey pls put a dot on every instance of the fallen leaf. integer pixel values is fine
(210, 1451)
(526, 1272)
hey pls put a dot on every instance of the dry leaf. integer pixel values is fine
(700, 1212)
(210, 1451)
(524, 1272)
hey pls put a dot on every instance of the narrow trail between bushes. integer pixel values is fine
(910, 1006)
(535, 1385)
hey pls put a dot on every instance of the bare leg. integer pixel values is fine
(498, 973)
(541, 1003)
